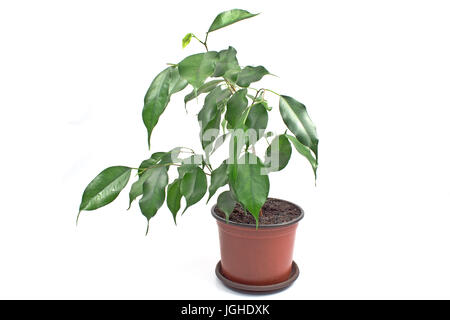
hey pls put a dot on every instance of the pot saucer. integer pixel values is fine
(255, 288)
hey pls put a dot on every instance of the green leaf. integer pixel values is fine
(210, 115)
(137, 188)
(197, 68)
(154, 192)
(176, 82)
(105, 187)
(193, 186)
(219, 178)
(278, 153)
(174, 198)
(257, 119)
(306, 152)
(250, 74)
(235, 107)
(229, 17)
(158, 96)
(186, 40)
(205, 88)
(226, 203)
(249, 183)
(298, 122)
(227, 65)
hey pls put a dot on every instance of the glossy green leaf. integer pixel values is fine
(227, 63)
(154, 192)
(197, 68)
(219, 178)
(186, 40)
(174, 198)
(205, 88)
(250, 74)
(226, 203)
(229, 17)
(156, 101)
(278, 153)
(249, 183)
(257, 119)
(235, 107)
(298, 122)
(158, 96)
(304, 151)
(105, 187)
(193, 186)
(210, 115)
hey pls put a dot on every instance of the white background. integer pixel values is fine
(375, 76)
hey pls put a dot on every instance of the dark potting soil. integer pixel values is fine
(274, 211)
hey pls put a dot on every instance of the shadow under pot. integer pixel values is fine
(259, 260)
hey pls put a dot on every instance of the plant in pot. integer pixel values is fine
(256, 232)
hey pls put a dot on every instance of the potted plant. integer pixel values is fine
(256, 232)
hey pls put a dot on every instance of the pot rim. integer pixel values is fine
(261, 226)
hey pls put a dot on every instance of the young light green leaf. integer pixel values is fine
(227, 63)
(278, 153)
(250, 74)
(304, 151)
(205, 88)
(249, 183)
(193, 186)
(174, 198)
(235, 107)
(197, 68)
(229, 17)
(154, 192)
(226, 203)
(298, 122)
(219, 178)
(186, 40)
(105, 187)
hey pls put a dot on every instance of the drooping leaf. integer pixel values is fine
(209, 116)
(205, 88)
(226, 203)
(158, 95)
(219, 178)
(278, 153)
(249, 183)
(227, 65)
(235, 107)
(156, 100)
(105, 187)
(186, 40)
(257, 120)
(251, 74)
(304, 151)
(219, 142)
(193, 186)
(154, 192)
(197, 68)
(229, 17)
(298, 122)
(174, 198)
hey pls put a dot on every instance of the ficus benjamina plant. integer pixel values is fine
(233, 111)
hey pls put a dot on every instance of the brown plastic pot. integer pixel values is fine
(257, 257)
